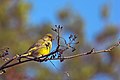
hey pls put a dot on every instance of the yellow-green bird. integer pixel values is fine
(41, 47)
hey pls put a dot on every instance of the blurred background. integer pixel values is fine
(96, 23)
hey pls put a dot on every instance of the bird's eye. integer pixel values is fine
(49, 36)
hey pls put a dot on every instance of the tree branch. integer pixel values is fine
(89, 52)
(58, 51)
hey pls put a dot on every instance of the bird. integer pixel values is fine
(41, 47)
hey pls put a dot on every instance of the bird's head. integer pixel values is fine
(48, 37)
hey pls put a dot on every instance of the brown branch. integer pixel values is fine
(40, 59)
(17, 63)
(4, 66)
(87, 53)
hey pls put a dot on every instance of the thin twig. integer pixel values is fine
(87, 53)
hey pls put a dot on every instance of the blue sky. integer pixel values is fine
(89, 10)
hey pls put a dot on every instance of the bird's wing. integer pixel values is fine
(36, 45)
(38, 51)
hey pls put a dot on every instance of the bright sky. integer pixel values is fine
(46, 10)
(89, 10)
